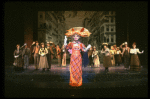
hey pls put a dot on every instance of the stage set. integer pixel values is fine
(76, 53)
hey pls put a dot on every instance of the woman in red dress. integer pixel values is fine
(75, 59)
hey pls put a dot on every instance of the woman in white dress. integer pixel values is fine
(95, 57)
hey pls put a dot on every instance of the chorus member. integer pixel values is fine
(107, 57)
(135, 62)
(112, 52)
(26, 54)
(95, 57)
(75, 59)
(90, 51)
(115, 48)
(18, 58)
(36, 49)
(43, 59)
(118, 57)
(126, 55)
(58, 50)
(63, 56)
(48, 55)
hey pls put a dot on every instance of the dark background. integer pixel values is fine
(131, 22)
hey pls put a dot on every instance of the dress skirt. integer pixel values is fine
(107, 61)
(96, 61)
(135, 63)
(75, 70)
(43, 62)
(113, 60)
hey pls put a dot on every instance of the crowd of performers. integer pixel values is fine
(79, 55)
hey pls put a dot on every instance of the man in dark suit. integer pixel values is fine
(49, 48)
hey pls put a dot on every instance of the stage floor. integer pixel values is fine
(117, 78)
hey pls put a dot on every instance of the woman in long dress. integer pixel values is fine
(107, 57)
(18, 58)
(112, 51)
(63, 56)
(95, 57)
(43, 59)
(135, 62)
(75, 59)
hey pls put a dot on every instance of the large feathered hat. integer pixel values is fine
(81, 31)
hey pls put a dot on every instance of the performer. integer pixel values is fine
(58, 50)
(112, 51)
(43, 59)
(107, 57)
(36, 49)
(63, 56)
(95, 58)
(135, 62)
(118, 56)
(90, 51)
(26, 54)
(18, 58)
(115, 48)
(126, 55)
(54, 51)
(48, 55)
(75, 59)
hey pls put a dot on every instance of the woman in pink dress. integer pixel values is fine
(75, 59)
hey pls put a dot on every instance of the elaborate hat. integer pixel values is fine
(81, 31)
(133, 44)
(47, 42)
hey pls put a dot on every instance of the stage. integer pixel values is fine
(117, 82)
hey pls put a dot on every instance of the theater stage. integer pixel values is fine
(117, 82)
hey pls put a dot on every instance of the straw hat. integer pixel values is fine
(50, 42)
(105, 44)
(81, 31)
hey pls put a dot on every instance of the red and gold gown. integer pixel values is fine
(75, 63)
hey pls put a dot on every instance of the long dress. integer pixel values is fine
(18, 60)
(43, 59)
(112, 57)
(75, 63)
(96, 59)
(135, 62)
(107, 58)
